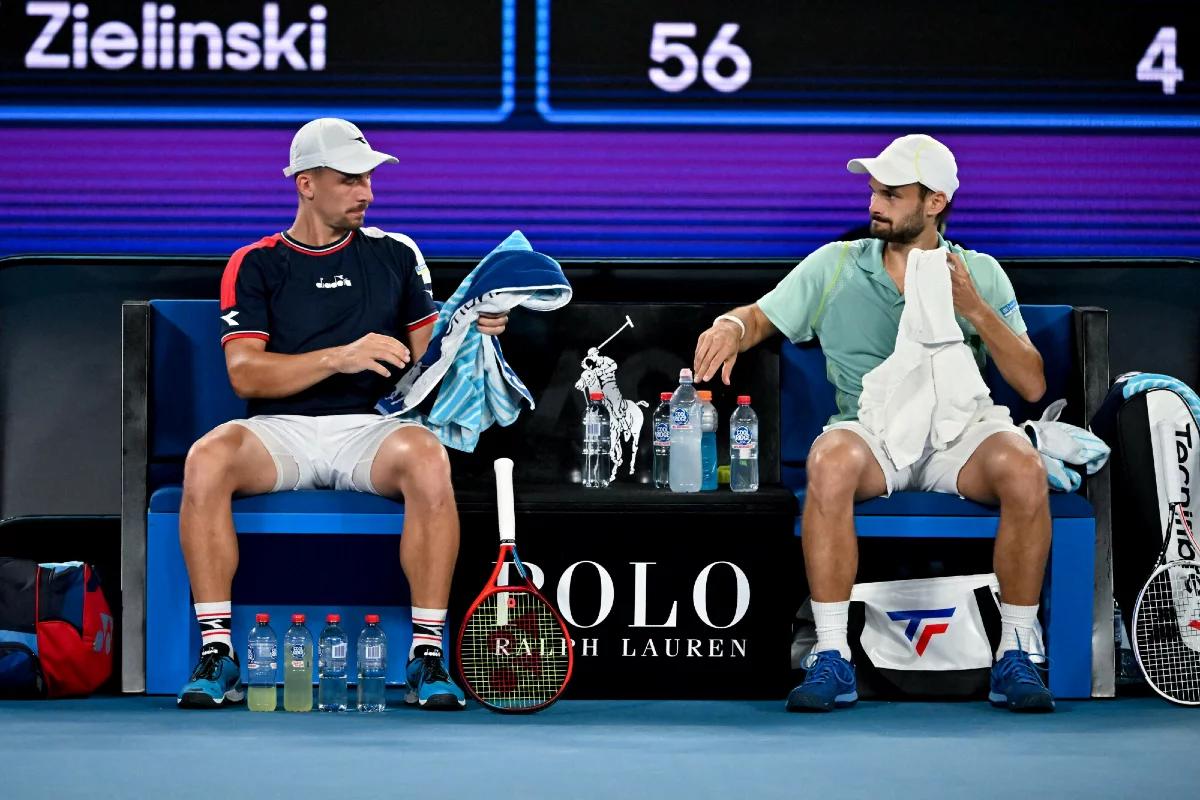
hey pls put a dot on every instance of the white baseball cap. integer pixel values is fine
(915, 158)
(333, 143)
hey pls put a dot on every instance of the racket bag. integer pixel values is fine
(922, 638)
(56, 629)
(1128, 421)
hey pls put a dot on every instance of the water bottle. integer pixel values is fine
(331, 666)
(743, 447)
(262, 652)
(1128, 671)
(685, 436)
(372, 666)
(297, 666)
(708, 442)
(597, 461)
(662, 442)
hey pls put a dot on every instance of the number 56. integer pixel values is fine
(721, 48)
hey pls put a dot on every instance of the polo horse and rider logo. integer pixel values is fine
(625, 416)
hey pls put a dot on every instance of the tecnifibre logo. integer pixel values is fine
(73, 38)
(915, 619)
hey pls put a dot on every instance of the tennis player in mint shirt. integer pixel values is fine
(849, 295)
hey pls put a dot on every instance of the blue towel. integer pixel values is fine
(1060, 444)
(477, 386)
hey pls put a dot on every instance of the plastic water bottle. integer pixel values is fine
(372, 666)
(297, 666)
(662, 441)
(685, 436)
(743, 447)
(1128, 671)
(708, 442)
(331, 666)
(597, 462)
(262, 653)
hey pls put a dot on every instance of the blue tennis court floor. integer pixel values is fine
(129, 747)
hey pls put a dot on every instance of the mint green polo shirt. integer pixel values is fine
(843, 296)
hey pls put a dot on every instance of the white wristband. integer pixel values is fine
(741, 325)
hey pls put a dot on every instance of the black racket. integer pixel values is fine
(514, 650)
(1166, 617)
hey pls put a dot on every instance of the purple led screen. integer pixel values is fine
(610, 193)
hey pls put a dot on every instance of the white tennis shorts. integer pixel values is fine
(332, 452)
(936, 470)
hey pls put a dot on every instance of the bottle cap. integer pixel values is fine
(743, 399)
(596, 395)
(333, 619)
(372, 619)
(262, 619)
(685, 375)
(297, 619)
(664, 396)
(705, 394)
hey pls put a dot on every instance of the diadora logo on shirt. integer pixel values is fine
(229, 318)
(915, 619)
(336, 282)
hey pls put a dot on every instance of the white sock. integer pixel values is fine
(215, 620)
(427, 625)
(1017, 629)
(832, 620)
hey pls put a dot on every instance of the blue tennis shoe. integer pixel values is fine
(828, 684)
(429, 685)
(1017, 684)
(215, 682)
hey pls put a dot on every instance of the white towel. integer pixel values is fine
(924, 395)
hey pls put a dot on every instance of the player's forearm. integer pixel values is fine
(758, 328)
(263, 375)
(1018, 361)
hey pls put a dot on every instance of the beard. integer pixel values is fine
(352, 221)
(905, 231)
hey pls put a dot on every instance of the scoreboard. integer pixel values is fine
(1101, 64)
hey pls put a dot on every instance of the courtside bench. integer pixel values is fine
(715, 610)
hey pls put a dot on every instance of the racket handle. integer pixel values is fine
(504, 499)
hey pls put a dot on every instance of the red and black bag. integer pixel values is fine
(56, 629)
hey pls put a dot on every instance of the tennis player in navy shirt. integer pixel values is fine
(317, 323)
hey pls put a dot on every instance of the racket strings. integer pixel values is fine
(514, 653)
(1167, 633)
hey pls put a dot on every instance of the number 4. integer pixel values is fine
(1163, 47)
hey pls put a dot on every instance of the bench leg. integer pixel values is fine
(1067, 601)
(169, 621)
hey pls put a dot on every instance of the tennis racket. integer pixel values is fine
(514, 651)
(1166, 617)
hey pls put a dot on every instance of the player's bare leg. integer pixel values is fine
(412, 464)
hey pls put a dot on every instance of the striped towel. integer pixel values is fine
(1137, 382)
(476, 387)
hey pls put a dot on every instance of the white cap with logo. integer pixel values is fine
(915, 158)
(333, 143)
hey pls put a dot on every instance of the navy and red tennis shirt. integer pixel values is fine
(299, 298)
